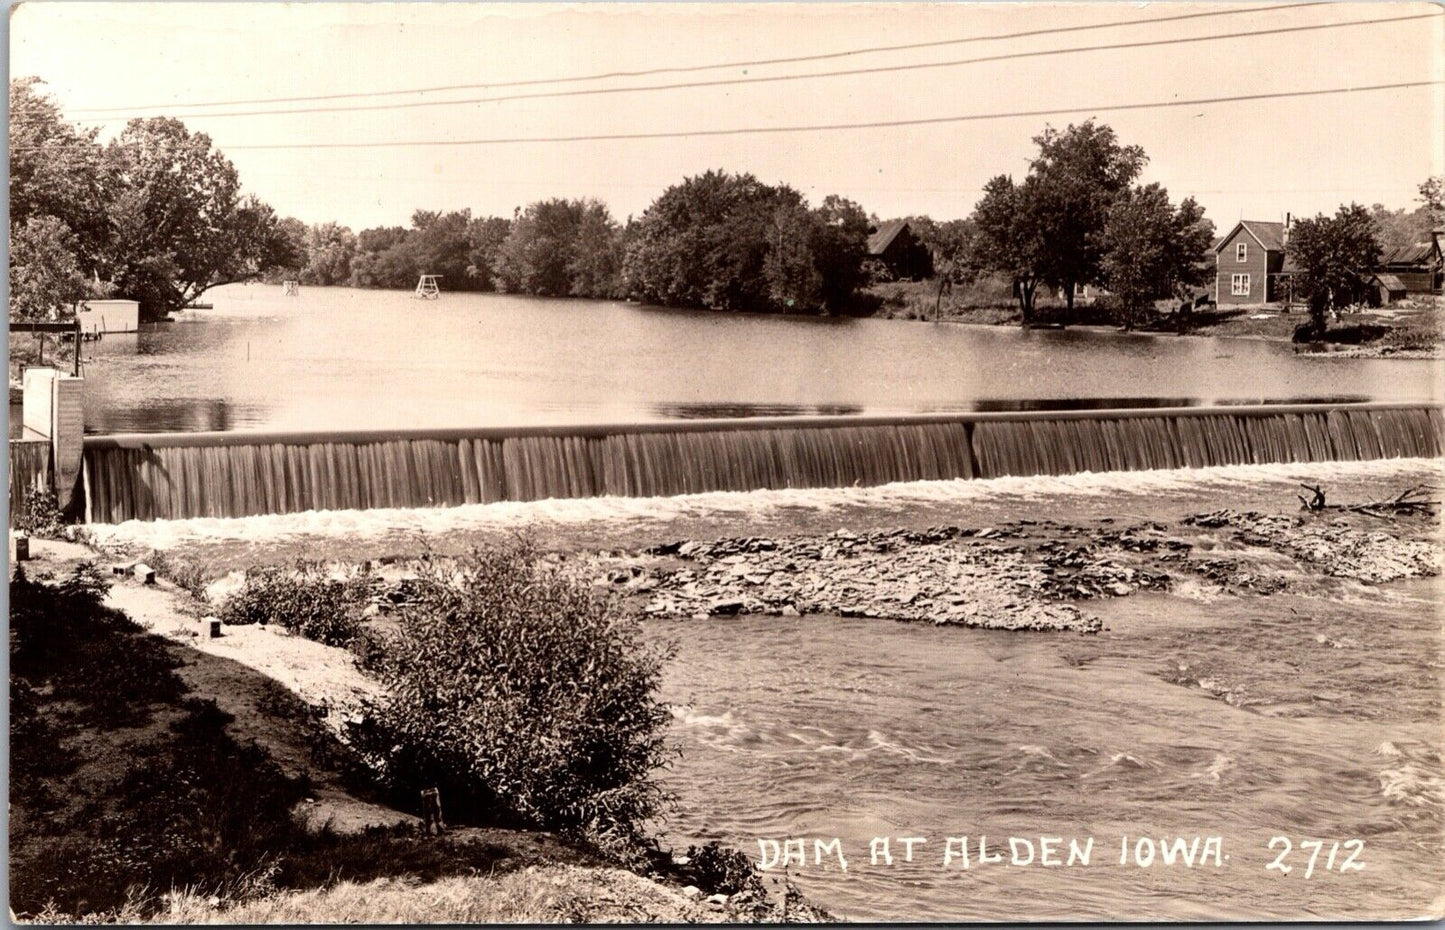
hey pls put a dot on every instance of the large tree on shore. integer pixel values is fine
(1073, 183)
(1008, 240)
(1049, 229)
(59, 171)
(1152, 250)
(181, 224)
(1333, 254)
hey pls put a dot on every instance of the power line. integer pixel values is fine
(777, 78)
(829, 127)
(685, 69)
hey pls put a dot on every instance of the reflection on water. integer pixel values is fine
(338, 358)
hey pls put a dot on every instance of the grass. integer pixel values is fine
(125, 786)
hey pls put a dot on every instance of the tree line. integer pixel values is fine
(718, 241)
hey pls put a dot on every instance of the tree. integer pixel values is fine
(1332, 253)
(1153, 251)
(330, 249)
(705, 243)
(1072, 185)
(57, 170)
(1008, 240)
(1432, 196)
(181, 224)
(1400, 228)
(839, 242)
(484, 241)
(45, 276)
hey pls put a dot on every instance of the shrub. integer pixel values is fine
(717, 869)
(523, 695)
(305, 601)
(42, 515)
(187, 575)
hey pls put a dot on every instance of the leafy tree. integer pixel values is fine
(330, 249)
(1152, 250)
(794, 283)
(705, 242)
(839, 243)
(1399, 228)
(57, 170)
(1073, 183)
(1332, 253)
(485, 236)
(1432, 196)
(182, 225)
(45, 276)
(595, 265)
(1008, 240)
(382, 259)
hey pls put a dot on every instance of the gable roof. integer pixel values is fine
(1270, 236)
(879, 242)
(1389, 281)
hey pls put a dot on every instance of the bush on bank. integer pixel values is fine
(304, 600)
(524, 696)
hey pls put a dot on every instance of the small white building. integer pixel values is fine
(108, 316)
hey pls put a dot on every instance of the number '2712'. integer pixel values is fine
(1342, 856)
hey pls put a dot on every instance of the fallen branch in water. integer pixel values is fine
(1413, 501)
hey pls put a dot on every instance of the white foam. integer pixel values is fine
(360, 524)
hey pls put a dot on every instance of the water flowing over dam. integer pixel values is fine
(155, 476)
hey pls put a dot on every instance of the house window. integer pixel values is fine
(1241, 251)
(1239, 285)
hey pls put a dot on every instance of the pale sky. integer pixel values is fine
(1255, 159)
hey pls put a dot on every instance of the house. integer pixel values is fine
(1417, 266)
(1249, 265)
(898, 250)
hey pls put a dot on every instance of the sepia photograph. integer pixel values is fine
(720, 462)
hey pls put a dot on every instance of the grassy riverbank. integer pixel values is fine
(161, 774)
(1410, 329)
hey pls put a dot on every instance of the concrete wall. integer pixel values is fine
(108, 316)
(54, 409)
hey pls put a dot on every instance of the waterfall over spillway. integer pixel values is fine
(236, 474)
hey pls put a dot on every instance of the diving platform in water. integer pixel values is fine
(426, 288)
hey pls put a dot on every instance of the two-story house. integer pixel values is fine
(1248, 263)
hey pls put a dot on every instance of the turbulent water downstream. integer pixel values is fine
(1312, 714)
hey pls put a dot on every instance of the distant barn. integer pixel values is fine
(899, 252)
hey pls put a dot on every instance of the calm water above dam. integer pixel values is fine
(339, 358)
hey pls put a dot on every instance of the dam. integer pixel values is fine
(165, 476)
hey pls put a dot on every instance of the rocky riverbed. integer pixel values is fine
(1024, 575)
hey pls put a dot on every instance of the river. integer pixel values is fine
(342, 358)
(826, 727)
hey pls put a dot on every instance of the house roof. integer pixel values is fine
(1270, 236)
(880, 240)
(1389, 281)
(1416, 254)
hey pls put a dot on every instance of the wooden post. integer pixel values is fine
(431, 811)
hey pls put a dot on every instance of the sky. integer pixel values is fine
(1247, 159)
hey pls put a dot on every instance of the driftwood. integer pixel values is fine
(1316, 501)
(1409, 502)
(1414, 501)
